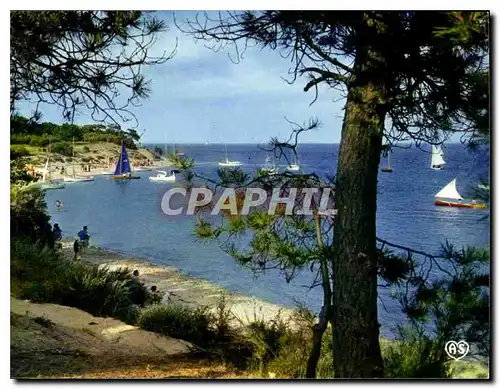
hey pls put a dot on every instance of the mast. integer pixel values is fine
(73, 159)
(49, 175)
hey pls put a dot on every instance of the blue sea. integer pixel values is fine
(127, 217)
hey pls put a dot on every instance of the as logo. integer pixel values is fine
(456, 350)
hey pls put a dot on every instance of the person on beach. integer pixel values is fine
(84, 237)
(76, 249)
(155, 296)
(57, 234)
(135, 274)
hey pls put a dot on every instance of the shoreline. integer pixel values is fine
(187, 290)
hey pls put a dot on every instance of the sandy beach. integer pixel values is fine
(187, 290)
(96, 170)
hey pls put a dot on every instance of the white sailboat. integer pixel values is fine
(437, 161)
(449, 197)
(74, 177)
(269, 167)
(295, 165)
(163, 176)
(228, 163)
(47, 183)
(388, 168)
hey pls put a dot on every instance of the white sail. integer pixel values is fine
(450, 191)
(437, 156)
(45, 170)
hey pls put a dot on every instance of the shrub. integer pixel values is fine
(86, 149)
(41, 141)
(178, 321)
(63, 148)
(41, 275)
(415, 355)
(19, 151)
(28, 217)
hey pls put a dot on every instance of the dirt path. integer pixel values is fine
(49, 340)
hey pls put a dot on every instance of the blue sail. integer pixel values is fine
(123, 165)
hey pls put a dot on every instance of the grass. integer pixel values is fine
(41, 275)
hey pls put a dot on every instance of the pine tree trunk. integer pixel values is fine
(318, 331)
(356, 348)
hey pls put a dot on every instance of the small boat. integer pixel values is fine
(74, 177)
(228, 163)
(163, 176)
(47, 183)
(388, 168)
(449, 197)
(123, 170)
(269, 168)
(294, 166)
(437, 161)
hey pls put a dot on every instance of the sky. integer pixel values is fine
(202, 96)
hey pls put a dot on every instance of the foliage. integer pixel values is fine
(25, 131)
(178, 321)
(17, 151)
(458, 303)
(28, 217)
(41, 275)
(63, 148)
(158, 151)
(82, 59)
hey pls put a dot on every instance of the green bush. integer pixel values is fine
(19, 150)
(41, 275)
(41, 141)
(63, 148)
(415, 355)
(178, 321)
(28, 217)
(20, 139)
(86, 149)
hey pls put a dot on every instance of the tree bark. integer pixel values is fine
(356, 348)
(320, 328)
(318, 331)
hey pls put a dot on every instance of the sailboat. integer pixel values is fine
(47, 183)
(74, 177)
(437, 161)
(295, 165)
(388, 168)
(269, 167)
(123, 170)
(449, 197)
(163, 176)
(228, 163)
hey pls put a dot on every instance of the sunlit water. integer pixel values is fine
(127, 217)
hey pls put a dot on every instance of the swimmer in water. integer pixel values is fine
(58, 204)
